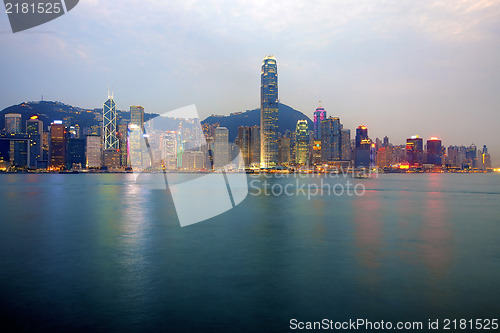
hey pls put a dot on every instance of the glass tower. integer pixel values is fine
(109, 124)
(136, 144)
(319, 116)
(301, 143)
(269, 113)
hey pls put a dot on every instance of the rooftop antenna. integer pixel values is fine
(110, 92)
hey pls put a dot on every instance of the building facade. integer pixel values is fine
(269, 113)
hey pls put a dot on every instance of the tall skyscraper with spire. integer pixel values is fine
(269, 113)
(109, 124)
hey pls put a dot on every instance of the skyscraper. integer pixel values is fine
(301, 143)
(76, 154)
(93, 151)
(361, 134)
(109, 124)
(221, 147)
(319, 116)
(345, 144)
(34, 129)
(57, 158)
(255, 146)
(434, 151)
(243, 142)
(13, 123)
(284, 150)
(269, 113)
(414, 150)
(330, 139)
(136, 128)
(363, 146)
(168, 142)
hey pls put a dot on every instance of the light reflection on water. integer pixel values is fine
(100, 252)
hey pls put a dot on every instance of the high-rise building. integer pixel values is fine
(93, 151)
(415, 150)
(34, 129)
(57, 153)
(434, 151)
(111, 159)
(109, 124)
(243, 142)
(362, 153)
(168, 142)
(319, 116)
(330, 139)
(345, 144)
(255, 146)
(301, 143)
(221, 147)
(76, 154)
(386, 141)
(136, 144)
(122, 136)
(269, 113)
(471, 156)
(284, 157)
(13, 123)
(361, 134)
(486, 159)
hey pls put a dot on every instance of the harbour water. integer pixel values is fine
(96, 252)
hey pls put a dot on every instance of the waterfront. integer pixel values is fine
(98, 253)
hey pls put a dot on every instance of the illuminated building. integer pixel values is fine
(269, 113)
(111, 159)
(316, 152)
(109, 124)
(319, 116)
(345, 145)
(415, 150)
(362, 153)
(471, 156)
(221, 147)
(434, 151)
(13, 123)
(331, 142)
(76, 154)
(14, 149)
(301, 143)
(136, 132)
(168, 142)
(485, 158)
(243, 142)
(57, 150)
(34, 129)
(361, 134)
(93, 151)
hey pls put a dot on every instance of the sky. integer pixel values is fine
(399, 67)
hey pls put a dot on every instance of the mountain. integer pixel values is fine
(287, 120)
(48, 111)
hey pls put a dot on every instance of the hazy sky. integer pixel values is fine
(399, 67)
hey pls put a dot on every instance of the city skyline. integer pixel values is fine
(366, 60)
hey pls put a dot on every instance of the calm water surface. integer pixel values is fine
(98, 253)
